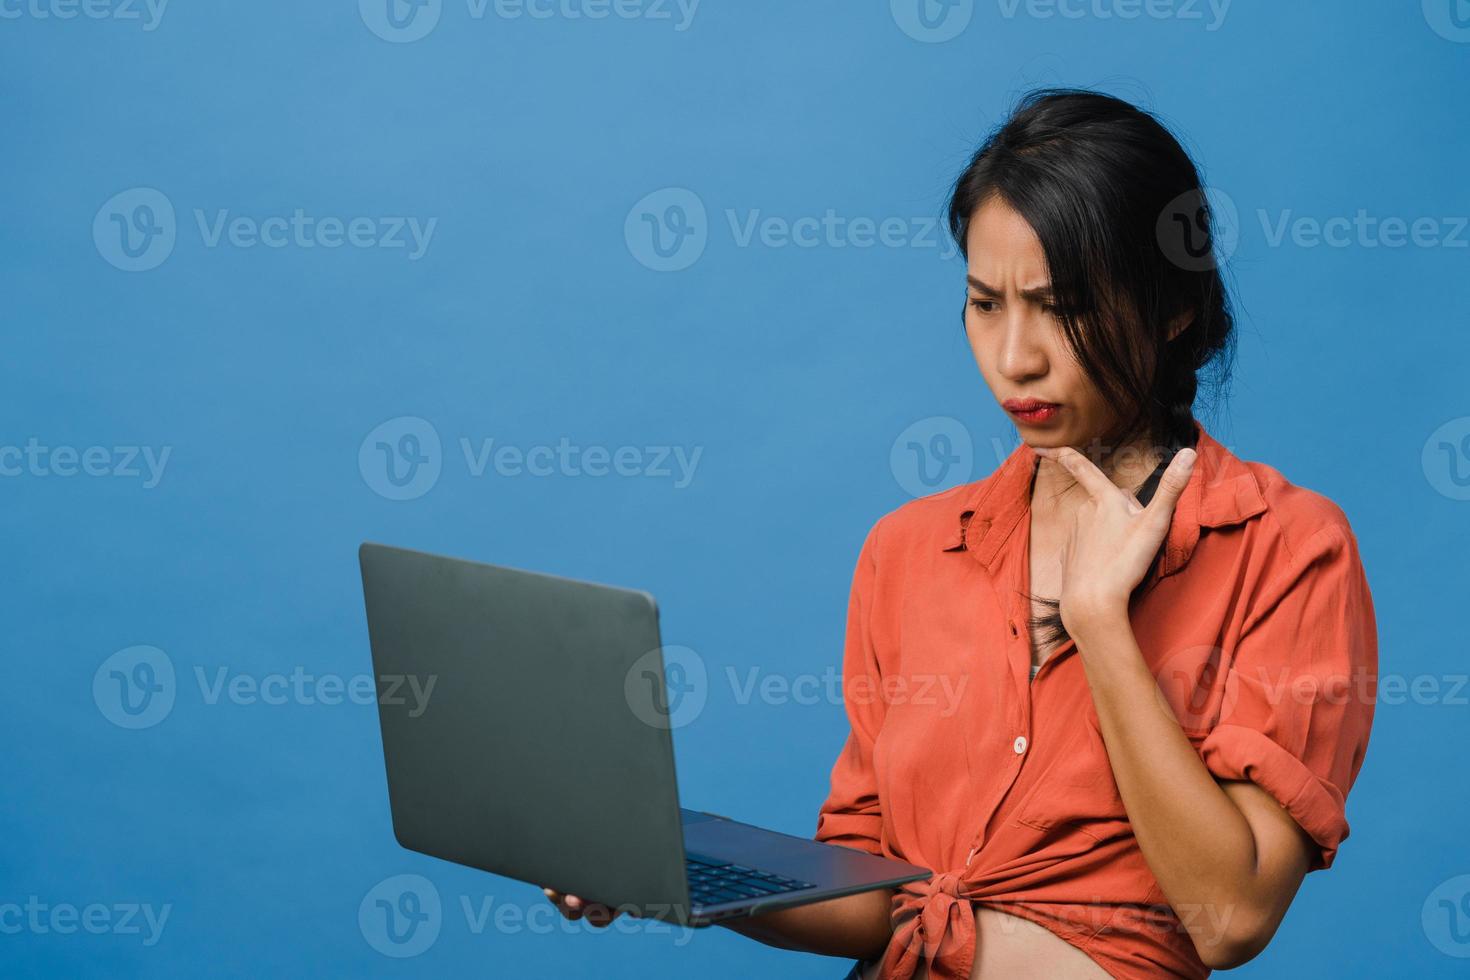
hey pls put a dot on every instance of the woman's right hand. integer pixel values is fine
(856, 926)
(574, 908)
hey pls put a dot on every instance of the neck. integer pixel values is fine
(1054, 488)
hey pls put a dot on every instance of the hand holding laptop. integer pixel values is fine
(575, 908)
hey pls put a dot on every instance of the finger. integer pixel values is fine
(1172, 483)
(1084, 470)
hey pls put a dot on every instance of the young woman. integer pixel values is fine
(1166, 657)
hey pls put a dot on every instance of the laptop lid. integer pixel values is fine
(533, 756)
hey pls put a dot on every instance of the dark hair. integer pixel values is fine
(1131, 247)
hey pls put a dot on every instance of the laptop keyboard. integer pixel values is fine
(714, 882)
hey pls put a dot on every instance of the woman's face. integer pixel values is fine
(1016, 338)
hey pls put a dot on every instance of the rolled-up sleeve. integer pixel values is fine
(852, 815)
(1300, 689)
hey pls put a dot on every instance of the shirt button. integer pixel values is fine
(1019, 744)
(1012, 625)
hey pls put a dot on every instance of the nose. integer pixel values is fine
(1022, 357)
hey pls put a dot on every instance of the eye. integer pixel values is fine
(983, 305)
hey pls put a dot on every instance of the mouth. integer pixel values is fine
(1031, 410)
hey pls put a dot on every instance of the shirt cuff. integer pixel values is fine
(1237, 752)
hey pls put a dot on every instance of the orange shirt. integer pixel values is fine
(1257, 622)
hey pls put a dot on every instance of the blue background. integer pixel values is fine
(534, 316)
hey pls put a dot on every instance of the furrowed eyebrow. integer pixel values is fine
(1040, 294)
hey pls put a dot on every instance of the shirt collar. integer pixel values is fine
(1222, 490)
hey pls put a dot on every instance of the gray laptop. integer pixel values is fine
(544, 750)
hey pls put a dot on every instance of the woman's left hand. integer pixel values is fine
(1113, 539)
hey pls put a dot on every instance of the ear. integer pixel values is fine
(1179, 323)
